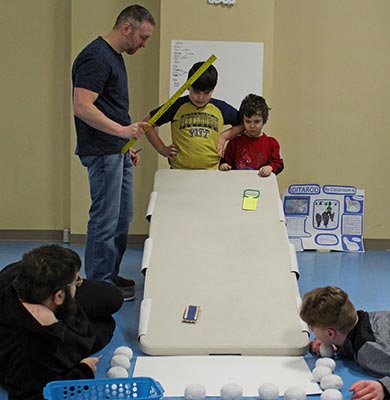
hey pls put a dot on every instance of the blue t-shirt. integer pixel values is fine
(101, 69)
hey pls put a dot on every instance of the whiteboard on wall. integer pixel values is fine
(239, 66)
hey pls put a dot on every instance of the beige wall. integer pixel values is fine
(331, 92)
(325, 77)
(34, 109)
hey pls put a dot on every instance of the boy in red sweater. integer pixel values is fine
(253, 149)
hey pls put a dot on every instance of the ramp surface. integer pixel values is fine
(205, 250)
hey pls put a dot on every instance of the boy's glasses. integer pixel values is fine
(77, 282)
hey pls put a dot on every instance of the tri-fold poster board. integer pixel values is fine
(328, 217)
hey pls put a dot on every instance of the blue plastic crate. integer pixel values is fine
(141, 388)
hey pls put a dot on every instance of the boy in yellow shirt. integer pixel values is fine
(196, 121)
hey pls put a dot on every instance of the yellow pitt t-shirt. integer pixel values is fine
(195, 131)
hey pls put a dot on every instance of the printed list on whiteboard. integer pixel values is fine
(239, 66)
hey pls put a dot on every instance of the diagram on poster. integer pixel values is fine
(239, 66)
(328, 217)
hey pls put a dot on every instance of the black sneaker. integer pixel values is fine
(127, 293)
(123, 282)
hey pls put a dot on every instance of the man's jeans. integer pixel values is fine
(111, 188)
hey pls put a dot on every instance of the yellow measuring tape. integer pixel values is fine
(169, 103)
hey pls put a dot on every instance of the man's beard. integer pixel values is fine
(68, 307)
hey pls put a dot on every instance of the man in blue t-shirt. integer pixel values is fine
(103, 126)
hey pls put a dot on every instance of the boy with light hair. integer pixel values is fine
(359, 335)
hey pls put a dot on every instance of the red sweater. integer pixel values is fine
(244, 152)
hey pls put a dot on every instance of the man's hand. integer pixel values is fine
(134, 131)
(91, 362)
(134, 156)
